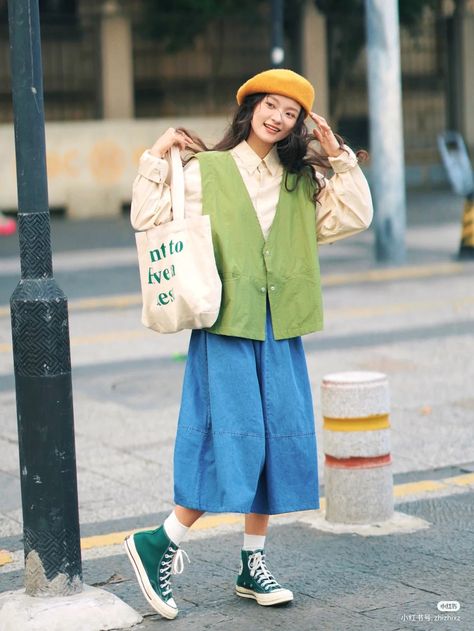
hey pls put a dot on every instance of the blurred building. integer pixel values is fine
(111, 86)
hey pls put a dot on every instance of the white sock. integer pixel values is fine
(175, 529)
(253, 542)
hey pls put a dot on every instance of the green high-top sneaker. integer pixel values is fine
(255, 581)
(154, 558)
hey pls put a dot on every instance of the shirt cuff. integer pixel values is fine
(346, 161)
(152, 167)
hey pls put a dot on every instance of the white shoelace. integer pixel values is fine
(178, 561)
(173, 565)
(258, 569)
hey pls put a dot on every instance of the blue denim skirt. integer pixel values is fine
(246, 438)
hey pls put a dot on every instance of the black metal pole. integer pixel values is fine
(278, 41)
(40, 340)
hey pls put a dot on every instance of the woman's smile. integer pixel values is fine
(271, 128)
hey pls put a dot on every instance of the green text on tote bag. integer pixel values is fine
(165, 274)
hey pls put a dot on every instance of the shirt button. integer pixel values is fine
(272, 287)
(267, 252)
(262, 289)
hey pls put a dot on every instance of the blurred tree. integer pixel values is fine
(177, 23)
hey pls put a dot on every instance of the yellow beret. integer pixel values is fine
(279, 81)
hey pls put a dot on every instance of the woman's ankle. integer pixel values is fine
(187, 516)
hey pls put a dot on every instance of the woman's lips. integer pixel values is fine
(273, 130)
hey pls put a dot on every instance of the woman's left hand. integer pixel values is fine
(324, 135)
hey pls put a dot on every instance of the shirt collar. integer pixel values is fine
(250, 160)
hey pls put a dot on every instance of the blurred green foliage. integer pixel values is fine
(410, 11)
(177, 23)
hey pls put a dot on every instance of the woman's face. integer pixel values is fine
(274, 117)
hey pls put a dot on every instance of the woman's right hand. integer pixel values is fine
(168, 139)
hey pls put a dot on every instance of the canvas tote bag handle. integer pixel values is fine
(177, 184)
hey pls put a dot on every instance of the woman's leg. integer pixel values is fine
(187, 516)
(256, 524)
(179, 521)
(254, 579)
(155, 556)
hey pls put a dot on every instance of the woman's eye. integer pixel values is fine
(270, 104)
(290, 115)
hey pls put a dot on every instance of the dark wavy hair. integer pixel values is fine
(296, 152)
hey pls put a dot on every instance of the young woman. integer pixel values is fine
(246, 438)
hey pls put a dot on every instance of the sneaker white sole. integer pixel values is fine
(274, 598)
(159, 605)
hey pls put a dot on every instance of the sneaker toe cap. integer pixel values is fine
(284, 593)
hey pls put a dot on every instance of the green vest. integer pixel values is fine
(285, 266)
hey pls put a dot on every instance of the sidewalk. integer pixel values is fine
(341, 581)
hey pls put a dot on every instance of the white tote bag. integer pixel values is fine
(181, 288)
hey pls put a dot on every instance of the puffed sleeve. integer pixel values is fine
(151, 194)
(344, 207)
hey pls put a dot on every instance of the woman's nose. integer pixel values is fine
(277, 115)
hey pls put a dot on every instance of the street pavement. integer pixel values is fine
(414, 322)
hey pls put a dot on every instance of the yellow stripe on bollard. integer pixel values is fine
(357, 424)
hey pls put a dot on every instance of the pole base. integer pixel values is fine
(93, 609)
(399, 523)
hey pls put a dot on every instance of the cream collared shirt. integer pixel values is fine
(343, 209)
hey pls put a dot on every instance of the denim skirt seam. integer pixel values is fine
(190, 428)
(274, 436)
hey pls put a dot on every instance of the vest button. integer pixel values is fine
(272, 287)
(262, 289)
(267, 252)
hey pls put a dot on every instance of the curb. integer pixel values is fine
(212, 525)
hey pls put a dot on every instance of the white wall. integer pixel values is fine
(92, 164)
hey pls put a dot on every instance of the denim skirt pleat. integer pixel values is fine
(246, 438)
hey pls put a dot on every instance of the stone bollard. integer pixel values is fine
(358, 477)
